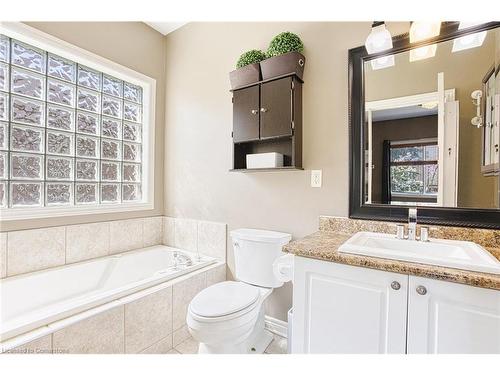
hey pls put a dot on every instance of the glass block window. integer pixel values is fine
(69, 135)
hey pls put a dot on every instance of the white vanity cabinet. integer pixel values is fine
(345, 309)
(339, 308)
(452, 318)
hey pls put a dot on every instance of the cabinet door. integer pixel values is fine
(246, 114)
(452, 318)
(344, 309)
(276, 108)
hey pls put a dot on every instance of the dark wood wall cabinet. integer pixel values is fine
(267, 117)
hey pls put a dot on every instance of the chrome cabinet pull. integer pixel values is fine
(254, 111)
(263, 109)
(422, 290)
(395, 285)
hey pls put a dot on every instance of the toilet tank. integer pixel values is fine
(254, 253)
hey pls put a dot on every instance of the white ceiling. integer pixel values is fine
(165, 27)
(402, 113)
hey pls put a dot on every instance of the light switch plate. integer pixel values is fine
(316, 178)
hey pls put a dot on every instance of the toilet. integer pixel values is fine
(228, 317)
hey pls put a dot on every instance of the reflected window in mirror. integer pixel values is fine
(412, 171)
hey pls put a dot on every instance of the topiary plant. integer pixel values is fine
(283, 43)
(250, 57)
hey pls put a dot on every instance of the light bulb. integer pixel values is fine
(382, 62)
(379, 39)
(423, 52)
(424, 30)
(383, 59)
(467, 39)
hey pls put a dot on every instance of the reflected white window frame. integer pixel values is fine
(49, 43)
(424, 142)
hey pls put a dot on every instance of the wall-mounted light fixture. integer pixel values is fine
(382, 62)
(420, 30)
(379, 39)
(470, 40)
(423, 52)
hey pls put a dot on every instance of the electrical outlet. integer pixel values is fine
(316, 178)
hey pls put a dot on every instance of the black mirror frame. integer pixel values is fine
(465, 217)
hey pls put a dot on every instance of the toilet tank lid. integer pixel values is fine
(261, 235)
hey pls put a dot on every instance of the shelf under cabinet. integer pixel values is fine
(252, 170)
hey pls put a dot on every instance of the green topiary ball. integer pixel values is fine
(283, 43)
(250, 57)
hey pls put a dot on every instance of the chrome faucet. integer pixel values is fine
(181, 259)
(412, 224)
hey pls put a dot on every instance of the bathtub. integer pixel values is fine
(33, 300)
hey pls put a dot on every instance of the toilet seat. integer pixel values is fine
(224, 301)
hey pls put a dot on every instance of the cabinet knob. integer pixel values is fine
(422, 290)
(254, 111)
(263, 109)
(395, 285)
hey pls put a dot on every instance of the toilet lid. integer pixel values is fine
(224, 298)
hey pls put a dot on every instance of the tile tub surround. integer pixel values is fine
(138, 323)
(38, 249)
(207, 237)
(35, 249)
(335, 231)
(3, 255)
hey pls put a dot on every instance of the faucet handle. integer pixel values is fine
(400, 232)
(424, 234)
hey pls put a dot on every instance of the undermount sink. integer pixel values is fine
(464, 255)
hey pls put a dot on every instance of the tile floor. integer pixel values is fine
(190, 346)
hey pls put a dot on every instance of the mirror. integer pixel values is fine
(425, 122)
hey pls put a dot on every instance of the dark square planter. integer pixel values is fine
(245, 76)
(291, 62)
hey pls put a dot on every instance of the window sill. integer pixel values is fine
(46, 212)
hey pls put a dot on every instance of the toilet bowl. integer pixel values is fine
(228, 317)
(232, 324)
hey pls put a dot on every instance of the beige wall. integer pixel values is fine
(198, 183)
(464, 72)
(138, 47)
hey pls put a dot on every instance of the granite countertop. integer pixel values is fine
(324, 245)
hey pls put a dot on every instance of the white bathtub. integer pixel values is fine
(34, 300)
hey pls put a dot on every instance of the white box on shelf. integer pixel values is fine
(265, 160)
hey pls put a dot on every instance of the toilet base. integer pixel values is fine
(255, 343)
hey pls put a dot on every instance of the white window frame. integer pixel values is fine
(49, 43)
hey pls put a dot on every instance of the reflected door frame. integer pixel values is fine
(447, 137)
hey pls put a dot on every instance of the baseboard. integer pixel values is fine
(276, 326)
